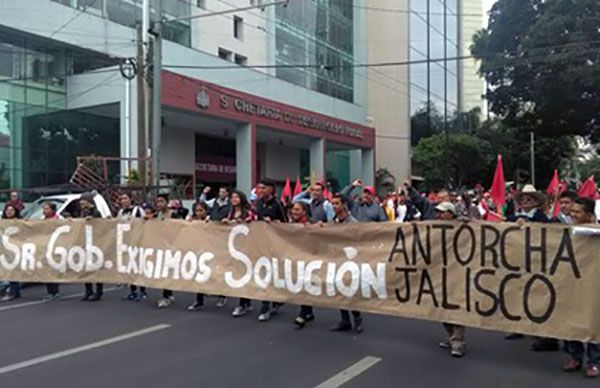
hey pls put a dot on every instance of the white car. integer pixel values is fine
(66, 204)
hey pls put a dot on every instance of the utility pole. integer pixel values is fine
(156, 32)
(141, 105)
(152, 59)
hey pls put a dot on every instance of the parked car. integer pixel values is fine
(66, 205)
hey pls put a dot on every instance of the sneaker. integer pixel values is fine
(49, 297)
(9, 297)
(131, 296)
(239, 311)
(457, 352)
(342, 326)
(165, 302)
(358, 327)
(592, 371)
(141, 296)
(222, 302)
(444, 344)
(195, 306)
(95, 297)
(86, 297)
(264, 317)
(572, 366)
(300, 322)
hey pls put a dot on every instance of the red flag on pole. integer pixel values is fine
(554, 184)
(498, 190)
(297, 187)
(588, 189)
(287, 191)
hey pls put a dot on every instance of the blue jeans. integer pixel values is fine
(578, 350)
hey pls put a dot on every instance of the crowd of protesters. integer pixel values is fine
(354, 203)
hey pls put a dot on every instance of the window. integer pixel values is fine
(241, 60)
(201, 4)
(225, 54)
(238, 27)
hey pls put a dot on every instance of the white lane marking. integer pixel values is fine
(351, 372)
(37, 302)
(80, 349)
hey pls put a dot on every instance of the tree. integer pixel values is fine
(457, 160)
(590, 167)
(551, 153)
(541, 59)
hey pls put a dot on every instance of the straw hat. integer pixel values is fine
(532, 192)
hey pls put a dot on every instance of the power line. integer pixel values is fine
(410, 11)
(72, 19)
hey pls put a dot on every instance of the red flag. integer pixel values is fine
(498, 190)
(554, 184)
(287, 191)
(297, 187)
(588, 189)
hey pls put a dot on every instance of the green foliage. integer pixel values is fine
(590, 168)
(457, 159)
(541, 59)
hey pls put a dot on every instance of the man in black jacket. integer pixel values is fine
(88, 210)
(269, 209)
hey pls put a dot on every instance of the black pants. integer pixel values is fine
(305, 311)
(244, 302)
(200, 298)
(89, 288)
(167, 293)
(134, 288)
(266, 306)
(52, 288)
(346, 315)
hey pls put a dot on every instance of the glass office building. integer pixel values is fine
(39, 139)
(127, 12)
(434, 38)
(317, 33)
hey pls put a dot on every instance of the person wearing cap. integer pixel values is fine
(319, 208)
(365, 209)
(455, 341)
(164, 212)
(87, 210)
(269, 209)
(530, 208)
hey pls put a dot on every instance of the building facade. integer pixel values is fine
(268, 93)
(441, 31)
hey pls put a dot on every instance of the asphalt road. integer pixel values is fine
(111, 343)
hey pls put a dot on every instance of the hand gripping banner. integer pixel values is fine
(536, 279)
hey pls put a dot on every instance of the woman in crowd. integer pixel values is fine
(240, 213)
(298, 215)
(12, 212)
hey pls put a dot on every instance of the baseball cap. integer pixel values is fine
(369, 189)
(446, 207)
